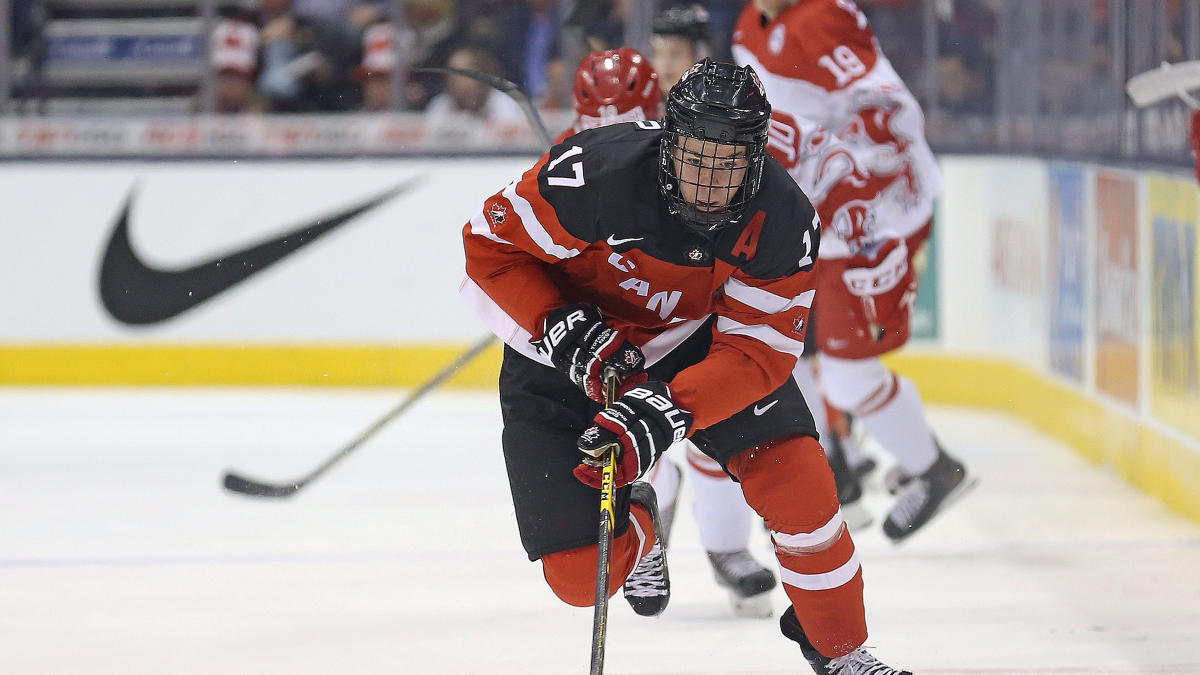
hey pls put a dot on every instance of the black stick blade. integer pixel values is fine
(246, 486)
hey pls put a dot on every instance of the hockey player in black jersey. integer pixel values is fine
(680, 255)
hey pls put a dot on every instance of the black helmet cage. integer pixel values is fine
(718, 104)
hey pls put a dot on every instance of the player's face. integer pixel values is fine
(709, 173)
(671, 56)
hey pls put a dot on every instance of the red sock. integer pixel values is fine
(572, 573)
(789, 483)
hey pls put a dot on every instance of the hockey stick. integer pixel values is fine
(505, 87)
(248, 486)
(236, 482)
(607, 516)
(1169, 79)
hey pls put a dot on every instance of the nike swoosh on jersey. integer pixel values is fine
(613, 241)
(765, 408)
(137, 294)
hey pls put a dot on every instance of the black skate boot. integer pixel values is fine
(926, 495)
(851, 436)
(857, 662)
(849, 487)
(895, 479)
(864, 468)
(748, 582)
(647, 589)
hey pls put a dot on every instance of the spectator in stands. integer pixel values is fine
(607, 29)
(21, 20)
(377, 67)
(469, 112)
(305, 64)
(966, 37)
(966, 42)
(531, 53)
(723, 14)
(234, 53)
(899, 27)
(431, 31)
(336, 12)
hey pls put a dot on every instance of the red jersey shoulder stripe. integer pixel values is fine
(539, 217)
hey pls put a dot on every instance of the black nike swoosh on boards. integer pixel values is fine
(138, 294)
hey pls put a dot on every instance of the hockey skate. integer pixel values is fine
(857, 662)
(926, 495)
(852, 436)
(849, 486)
(747, 581)
(647, 589)
(863, 468)
(895, 479)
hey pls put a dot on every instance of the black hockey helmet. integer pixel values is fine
(691, 22)
(715, 129)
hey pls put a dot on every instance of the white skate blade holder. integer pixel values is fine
(754, 607)
(1169, 79)
(856, 516)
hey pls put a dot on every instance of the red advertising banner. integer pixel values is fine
(1116, 292)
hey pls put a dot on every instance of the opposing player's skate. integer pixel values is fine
(849, 486)
(748, 582)
(895, 479)
(926, 495)
(857, 662)
(647, 589)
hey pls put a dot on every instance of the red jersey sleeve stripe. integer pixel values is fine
(763, 300)
(763, 333)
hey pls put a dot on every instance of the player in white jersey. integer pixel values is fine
(824, 74)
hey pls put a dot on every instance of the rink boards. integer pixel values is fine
(1065, 293)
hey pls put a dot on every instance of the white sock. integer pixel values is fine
(722, 514)
(855, 455)
(803, 374)
(888, 406)
(900, 427)
(664, 476)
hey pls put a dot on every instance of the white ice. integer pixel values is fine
(120, 553)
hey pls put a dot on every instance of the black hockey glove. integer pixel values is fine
(643, 423)
(579, 343)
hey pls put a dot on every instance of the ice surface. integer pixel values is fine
(119, 552)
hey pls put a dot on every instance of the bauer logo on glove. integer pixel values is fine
(643, 423)
(580, 345)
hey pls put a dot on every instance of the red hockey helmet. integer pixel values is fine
(618, 85)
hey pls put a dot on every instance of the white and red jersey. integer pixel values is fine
(587, 224)
(822, 67)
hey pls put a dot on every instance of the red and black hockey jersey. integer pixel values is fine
(587, 224)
